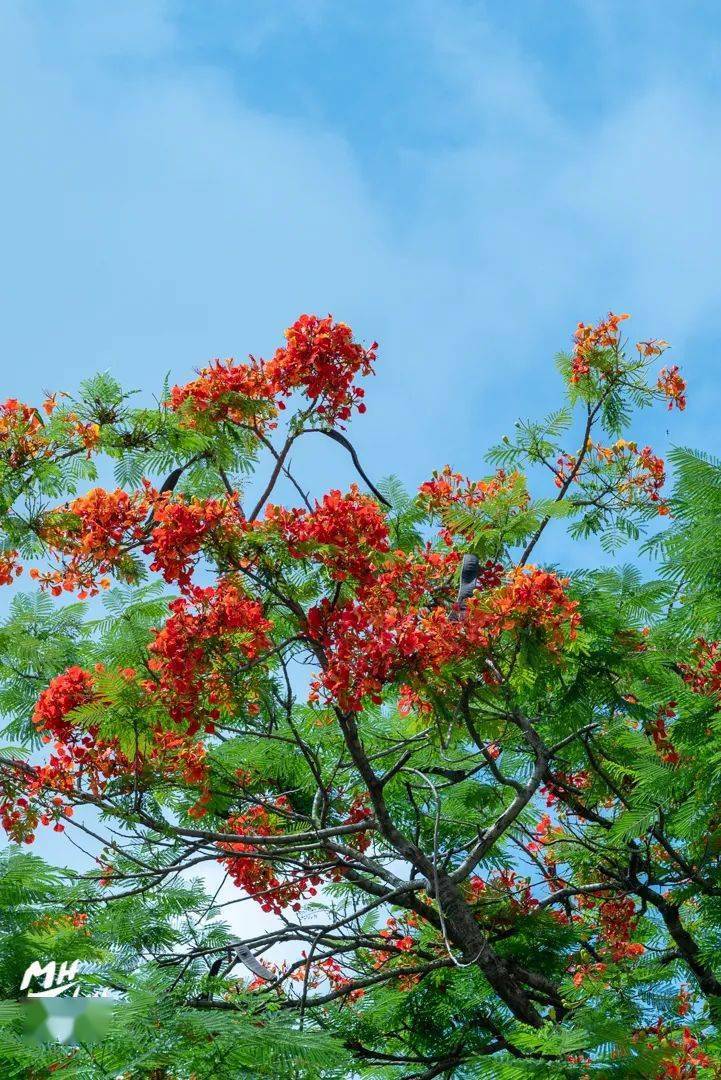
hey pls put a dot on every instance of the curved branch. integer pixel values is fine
(348, 445)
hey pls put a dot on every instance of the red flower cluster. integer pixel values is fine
(689, 1059)
(94, 532)
(652, 347)
(618, 921)
(477, 887)
(673, 385)
(685, 1056)
(637, 470)
(320, 358)
(21, 433)
(395, 625)
(176, 753)
(201, 628)
(359, 811)
(507, 887)
(447, 489)
(409, 699)
(106, 517)
(182, 527)
(581, 972)
(651, 475)
(188, 681)
(314, 973)
(544, 833)
(530, 598)
(519, 891)
(10, 568)
(490, 575)
(565, 465)
(98, 530)
(351, 526)
(388, 628)
(256, 874)
(703, 674)
(398, 934)
(106, 520)
(226, 390)
(621, 469)
(76, 751)
(18, 817)
(659, 733)
(87, 434)
(684, 1001)
(337, 979)
(66, 692)
(68, 579)
(588, 340)
(576, 781)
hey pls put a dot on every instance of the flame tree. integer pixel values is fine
(476, 796)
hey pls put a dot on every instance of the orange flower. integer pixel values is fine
(589, 340)
(653, 347)
(10, 568)
(673, 386)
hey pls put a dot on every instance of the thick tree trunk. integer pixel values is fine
(465, 933)
(463, 930)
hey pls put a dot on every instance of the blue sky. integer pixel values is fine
(462, 181)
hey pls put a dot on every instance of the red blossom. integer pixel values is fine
(639, 471)
(659, 733)
(359, 811)
(182, 527)
(564, 470)
(390, 627)
(447, 489)
(652, 347)
(66, 692)
(581, 972)
(77, 752)
(21, 434)
(320, 358)
(257, 876)
(683, 1056)
(226, 390)
(393, 626)
(554, 791)
(202, 627)
(703, 673)
(93, 535)
(618, 921)
(530, 598)
(312, 974)
(589, 340)
(673, 385)
(343, 532)
(10, 568)
(684, 1001)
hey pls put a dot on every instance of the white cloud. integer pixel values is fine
(157, 219)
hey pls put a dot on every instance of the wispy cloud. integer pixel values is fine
(163, 209)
